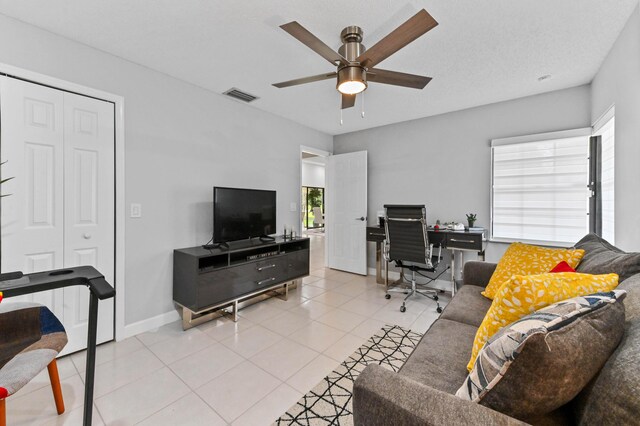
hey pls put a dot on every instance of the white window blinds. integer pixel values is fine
(539, 190)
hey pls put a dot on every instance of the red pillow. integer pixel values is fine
(562, 267)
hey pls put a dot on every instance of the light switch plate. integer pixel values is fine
(136, 210)
(293, 207)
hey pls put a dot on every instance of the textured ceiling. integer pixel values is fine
(482, 51)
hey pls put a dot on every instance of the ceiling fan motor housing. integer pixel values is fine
(351, 47)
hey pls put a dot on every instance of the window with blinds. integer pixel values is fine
(607, 178)
(539, 188)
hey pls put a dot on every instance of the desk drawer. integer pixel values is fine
(464, 241)
(375, 234)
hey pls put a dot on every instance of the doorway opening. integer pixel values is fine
(312, 182)
(313, 208)
(312, 200)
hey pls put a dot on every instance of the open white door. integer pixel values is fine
(346, 212)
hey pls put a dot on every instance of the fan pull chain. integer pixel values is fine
(340, 108)
(362, 104)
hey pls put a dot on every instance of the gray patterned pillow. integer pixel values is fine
(542, 361)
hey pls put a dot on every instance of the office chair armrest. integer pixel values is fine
(382, 397)
(478, 273)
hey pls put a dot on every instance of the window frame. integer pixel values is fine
(596, 223)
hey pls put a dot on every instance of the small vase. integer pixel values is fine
(471, 222)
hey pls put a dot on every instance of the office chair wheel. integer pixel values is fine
(439, 310)
(435, 297)
(387, 296)
(403, 308)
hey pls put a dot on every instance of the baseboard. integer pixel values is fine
(150, 323)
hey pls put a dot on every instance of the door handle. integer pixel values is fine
(361, 218)
(86, 236)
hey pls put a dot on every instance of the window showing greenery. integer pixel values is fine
(312, 197)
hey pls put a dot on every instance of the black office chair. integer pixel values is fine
(407, 244)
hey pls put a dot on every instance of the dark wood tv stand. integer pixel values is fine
(205, 281)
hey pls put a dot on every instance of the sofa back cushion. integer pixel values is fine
(612, 396)
(600, 257)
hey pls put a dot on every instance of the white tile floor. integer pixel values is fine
(220, 373)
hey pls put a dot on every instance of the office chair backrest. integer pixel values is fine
(406, 232)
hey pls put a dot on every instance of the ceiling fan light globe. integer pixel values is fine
(351, 87)
(351, 80)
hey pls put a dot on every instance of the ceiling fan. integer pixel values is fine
(356, 64)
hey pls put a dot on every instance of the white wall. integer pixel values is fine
(180, 141)
(312, 174)
(618, 82)
(444, 161)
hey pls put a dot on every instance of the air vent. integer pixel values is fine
(240, 95)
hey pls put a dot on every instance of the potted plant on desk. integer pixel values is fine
(471, 218)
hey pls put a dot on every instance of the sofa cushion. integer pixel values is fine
(524, 294)
(603, 258)
(526, 259)
(612, 396)
(440, 358)
(468, 306)
(541, 362)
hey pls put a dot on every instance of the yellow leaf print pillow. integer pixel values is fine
(525, 259)
(525, 294)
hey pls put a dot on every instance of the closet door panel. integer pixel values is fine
(89, 205)
(32, 212)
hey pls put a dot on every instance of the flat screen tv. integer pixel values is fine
(240, 214)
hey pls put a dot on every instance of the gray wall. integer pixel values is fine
(180, 140)
(618, 82)
(444, 161)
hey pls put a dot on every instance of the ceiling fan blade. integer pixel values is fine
(304, 80)
(313, 43)
(416, 26)
(348, 101)
(378, 75)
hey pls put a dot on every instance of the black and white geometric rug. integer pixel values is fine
(329, 402)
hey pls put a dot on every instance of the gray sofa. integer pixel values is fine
(423, 391)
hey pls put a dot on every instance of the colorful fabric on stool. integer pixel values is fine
(31, 338)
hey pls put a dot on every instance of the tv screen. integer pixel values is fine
(239, 214)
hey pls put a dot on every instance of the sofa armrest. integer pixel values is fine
(382, 397)
(478, 273)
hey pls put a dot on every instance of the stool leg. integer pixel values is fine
(55, 386)
(3, 413)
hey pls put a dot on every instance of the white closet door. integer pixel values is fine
(32, 216)
(88, 209)
(59, 148)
